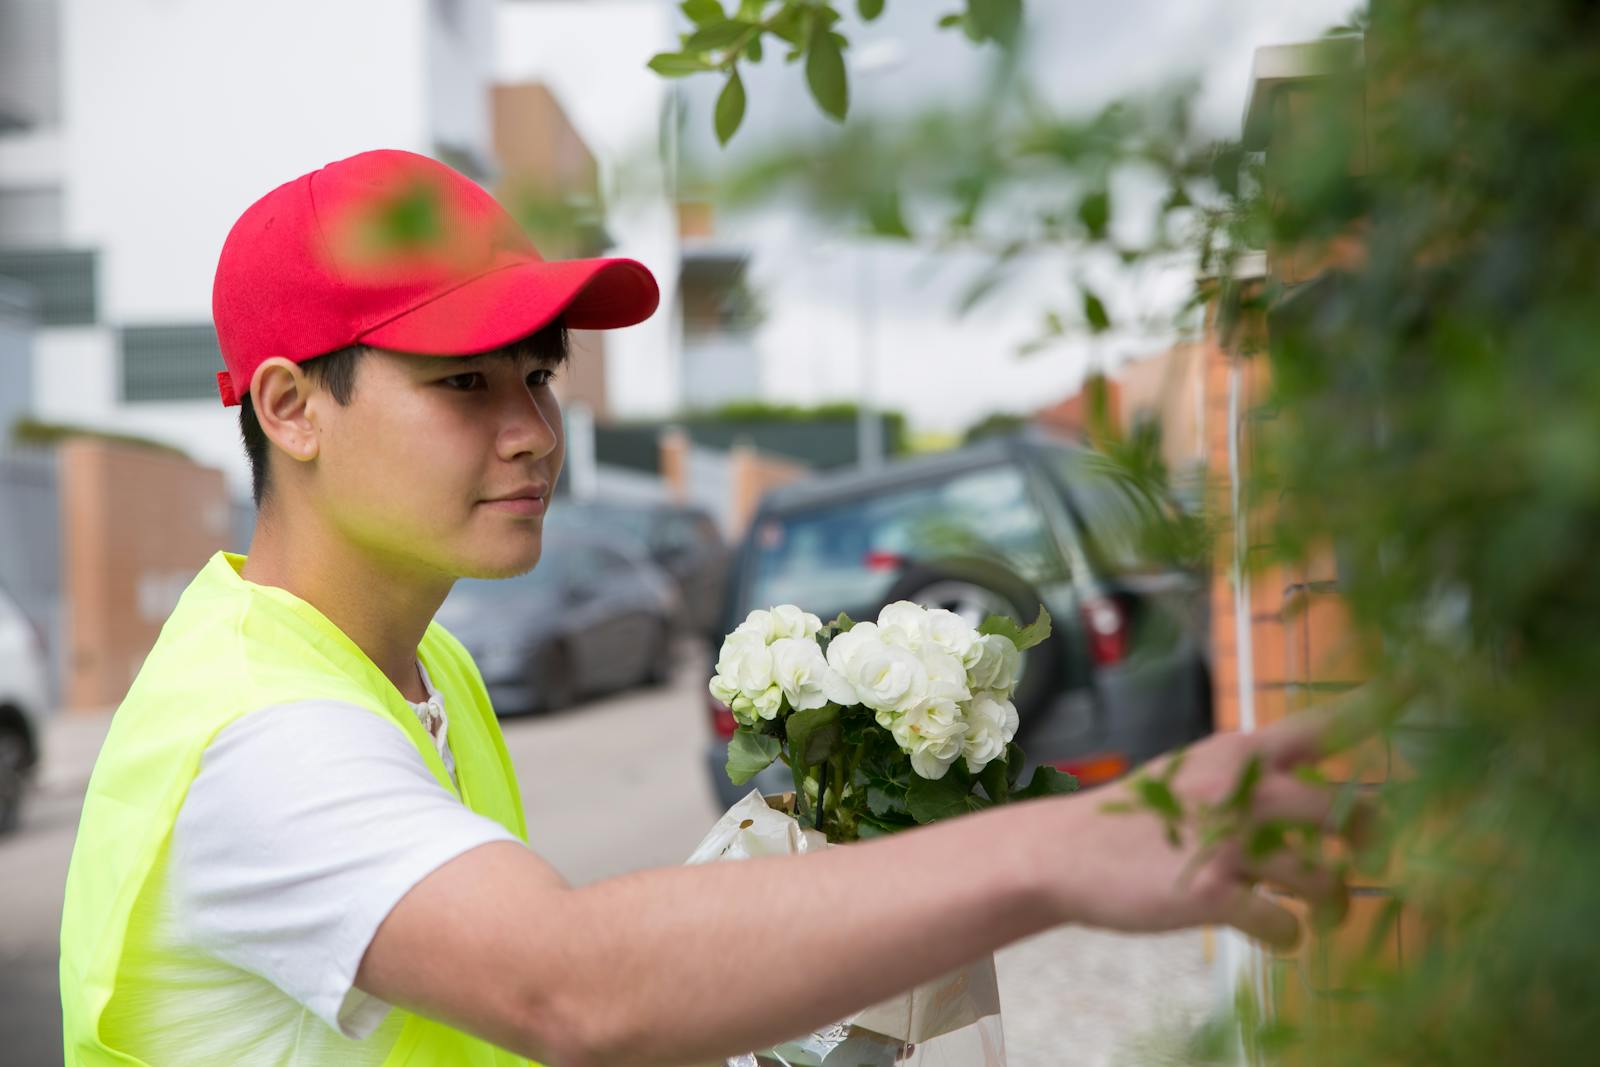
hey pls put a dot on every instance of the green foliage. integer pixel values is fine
(1024, 637)
(871, 788)
(730, 107)
(750, 753)
(1433, 419)
(718, 42)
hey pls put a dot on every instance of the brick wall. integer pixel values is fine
(137, 525)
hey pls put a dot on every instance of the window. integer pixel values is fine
(170, 363)
(63, 283)
(846, 557)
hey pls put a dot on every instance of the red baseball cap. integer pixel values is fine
(398, 251)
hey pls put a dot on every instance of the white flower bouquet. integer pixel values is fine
(884, 726)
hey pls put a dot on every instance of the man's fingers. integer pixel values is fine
(1317, 885)
(1280, 797)
(1315, 734)
(1255, 915)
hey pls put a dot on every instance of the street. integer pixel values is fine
(613, 786)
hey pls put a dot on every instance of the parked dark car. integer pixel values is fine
(996, 528)
(681, 540)
(594, 616)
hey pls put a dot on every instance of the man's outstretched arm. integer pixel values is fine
(686, 965)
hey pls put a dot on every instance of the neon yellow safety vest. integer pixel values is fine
(229, 648)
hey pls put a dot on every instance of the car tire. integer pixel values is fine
(13, 777)
(976, 587)
(554, 679)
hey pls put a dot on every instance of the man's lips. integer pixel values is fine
(528, 500)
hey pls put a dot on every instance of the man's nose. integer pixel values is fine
(524, 428)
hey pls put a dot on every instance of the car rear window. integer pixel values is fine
(846, 556)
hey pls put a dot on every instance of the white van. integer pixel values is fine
(22, 703)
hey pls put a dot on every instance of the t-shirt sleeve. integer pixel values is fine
(305, 825)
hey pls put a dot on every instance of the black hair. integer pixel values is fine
(336, 372)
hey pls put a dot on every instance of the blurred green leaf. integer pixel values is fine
(678, 65)
(825, 73)
(716, 35)
(703, 12)
(995, 20)
(730, 108)
(1095, 312)
(1094, 211)
(869, 9)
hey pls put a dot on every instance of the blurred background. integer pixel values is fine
(826, 410)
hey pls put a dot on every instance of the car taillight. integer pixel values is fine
(1107, 626)
(1093, 770)
(722, 721)
(883, 561)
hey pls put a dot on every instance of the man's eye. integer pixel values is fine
(463, 382)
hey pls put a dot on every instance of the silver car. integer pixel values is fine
(22, 703)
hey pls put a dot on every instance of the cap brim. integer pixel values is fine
(508, 304)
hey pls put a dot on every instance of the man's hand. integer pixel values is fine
(1128, 875)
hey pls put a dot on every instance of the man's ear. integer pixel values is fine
(281, 394)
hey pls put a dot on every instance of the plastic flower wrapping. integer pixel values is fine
(884, 725)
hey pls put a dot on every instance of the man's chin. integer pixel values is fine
(494, 566)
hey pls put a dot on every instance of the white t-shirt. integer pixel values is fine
(305, 825)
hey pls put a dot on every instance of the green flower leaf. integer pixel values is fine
(995, 779)
(825, 72)
(730, 108)
(813, 735)
(1036, 632)
(869, 9)
(929, 800)
(750, 753)
(1047, 782)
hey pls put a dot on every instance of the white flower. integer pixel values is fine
(785, 620)
(991, 724)
(724, 690)
(799, 668)
(769, 703)
(997, 666)
(745, 664)
(744, 709)
(904, 623)
(947, 678)
(949, 632)
(885, 677)
(932, 733)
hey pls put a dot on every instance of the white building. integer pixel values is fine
(133, 133)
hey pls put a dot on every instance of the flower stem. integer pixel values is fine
(822, 792)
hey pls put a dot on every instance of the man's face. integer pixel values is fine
(443, 464)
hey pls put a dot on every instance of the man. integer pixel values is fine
(303, 843)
